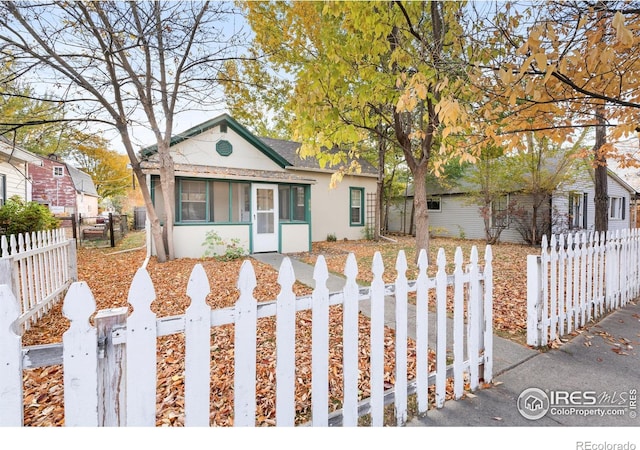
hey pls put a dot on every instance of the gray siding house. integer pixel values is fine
(453, 212)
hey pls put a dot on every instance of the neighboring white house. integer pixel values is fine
(256, 190)
(14, 171)
(452, 212)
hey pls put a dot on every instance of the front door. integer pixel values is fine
(265, 217)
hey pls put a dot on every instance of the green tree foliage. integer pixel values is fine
(370, 71)
(18, 216)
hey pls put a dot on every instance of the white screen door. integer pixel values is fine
(265, 217)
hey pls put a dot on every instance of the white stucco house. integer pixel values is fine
(571, 207)
(256, 190)
(14, 171)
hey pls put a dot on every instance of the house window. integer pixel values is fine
(58, 171)
(240, 202)
(616, 208)
(292, 203)
(577, 209)
(433, 204)
(299, 204)
(3, 189)
(214, 201)
(500, 212)
(356, 206)
(193, 201)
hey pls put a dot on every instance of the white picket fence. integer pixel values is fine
(110, 369)
(38, 267)
(578, 279)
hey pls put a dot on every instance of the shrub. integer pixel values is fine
(18, 216)
(331, 237)
(232, 250)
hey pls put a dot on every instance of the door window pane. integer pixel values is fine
(265, 199)
(265, 222)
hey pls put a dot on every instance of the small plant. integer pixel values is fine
(368, 232)
(232, 250)
(331, 237)
(461, 233)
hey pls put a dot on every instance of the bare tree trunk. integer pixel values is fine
(388, 198)
(600, 178)
(167, 183)
(379, 185)
(154, 220)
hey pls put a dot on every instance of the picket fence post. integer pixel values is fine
(553, 259)
(197, 350)
(320, 346)
(400, 387)
(377, 342)
(244, 390)
(441, 336)
(11, 402)
(458, 325)
(422, 333)
(534, 290)
(112, 409)
(474, 320)
(286, 346)
(141, 370)
(350, 344)
(80, 358)
(562, 301)
(487, 327)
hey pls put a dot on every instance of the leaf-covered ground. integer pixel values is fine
(109, 275)
(509, 270)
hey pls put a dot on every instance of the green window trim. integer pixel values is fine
(356, 210)
(289, 208)
(209, 218)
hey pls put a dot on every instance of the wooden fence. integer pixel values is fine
(110, 369)
(579, 278)
(38, 267)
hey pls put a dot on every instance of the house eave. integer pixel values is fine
(330, 172)
(146, 152)
(230, 173)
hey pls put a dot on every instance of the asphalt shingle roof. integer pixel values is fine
(289, 151)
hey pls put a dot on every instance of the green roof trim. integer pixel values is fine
(231, 123)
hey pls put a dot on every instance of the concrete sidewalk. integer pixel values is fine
(592, 380)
